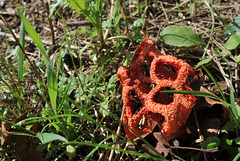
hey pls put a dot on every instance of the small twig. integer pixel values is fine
(3, 34)
(201, 138)
(126, 146)
(108, 30)
(51, 27)
(227, 80)
(144, 28)
(139, 13)
(209, 5)
(11, 13)
(10, 88)
(126, 32)
(6, 105)
(197, 149)
(177, 6)
(237, 77)
(10, 75)
(164, 11)
(188, 18)
(118, 132)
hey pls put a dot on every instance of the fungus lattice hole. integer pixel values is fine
(137, 106)
(169, 68)
(165, 72)
(164, 98)
(146, 67)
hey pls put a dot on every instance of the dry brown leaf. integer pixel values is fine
(156, 139)
(25, 147)
(211, 116)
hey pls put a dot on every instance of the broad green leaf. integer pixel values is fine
(233, 27)
(233, 41)
(49, 137)
(180, 36)
(204, 61)
(210, 143)
(33, 34)
(238, 59)
(237, 140)
(229, 126)
(52, 86)
(78, 5)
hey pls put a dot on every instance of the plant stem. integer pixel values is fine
(209, 4)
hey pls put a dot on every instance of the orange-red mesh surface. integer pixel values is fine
(144, 104)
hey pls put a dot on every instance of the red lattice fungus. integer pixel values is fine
(144, 103)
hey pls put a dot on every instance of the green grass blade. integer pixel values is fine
(96, 148)
(215, 82)
(52, 86)
(124, 37)
(236, 157)
(232, 98)
(212, 29)
(51, 76)
(33, 34)
(197, 93)
(109, 146)
(20, 64)
(21, 55)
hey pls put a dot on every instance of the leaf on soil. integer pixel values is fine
(229, 127)
(204, 61)
(156, 139)
(233, 27)
(180, 36)
(212, 115)
(238, 59)
(49, 137)
(210, 143)
(233, 41)
(226, 144)
(25, 146)
(237, 140)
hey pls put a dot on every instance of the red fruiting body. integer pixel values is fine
(141, 91)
